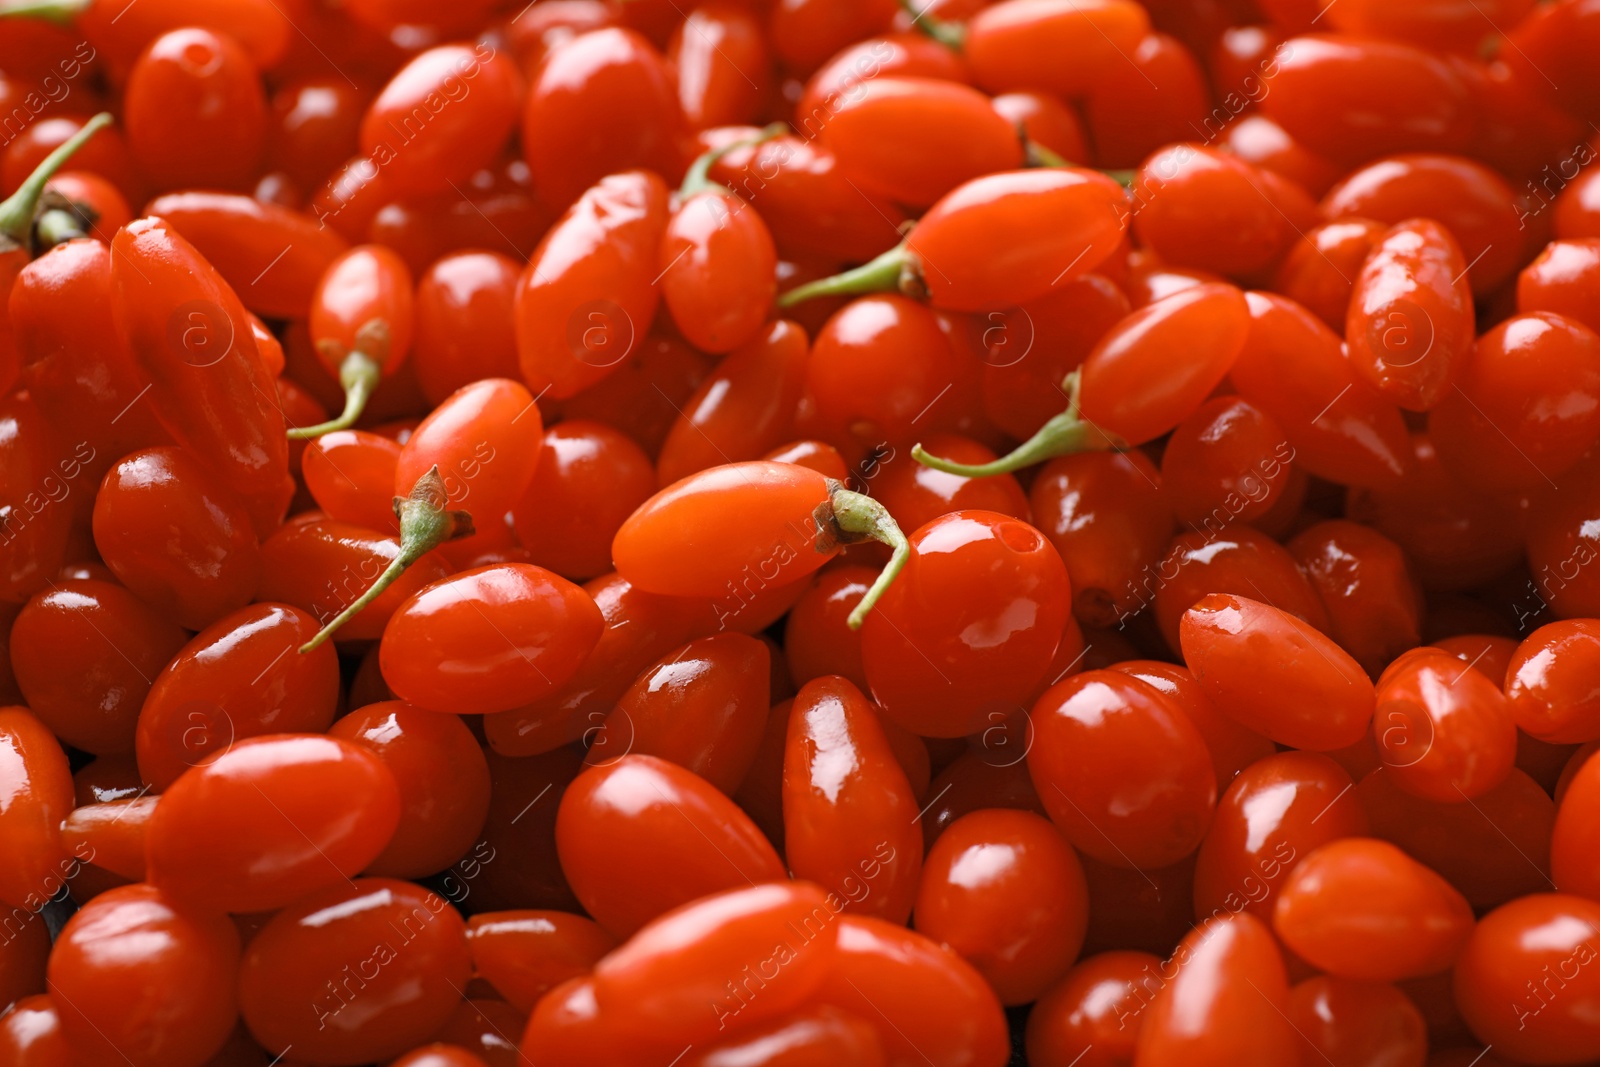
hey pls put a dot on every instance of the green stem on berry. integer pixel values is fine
(952, 35)
(849, 518)
(697, 179)
(1063, 435)
(896, 271)
(60, 11)
(425, 524)
(359, 374)
(17, 210)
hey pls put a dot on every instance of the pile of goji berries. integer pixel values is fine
(809, 533)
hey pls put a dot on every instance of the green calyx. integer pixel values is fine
(1063, 435)
(848, 517)
(425, 524)
(17, 211)
(698, 180)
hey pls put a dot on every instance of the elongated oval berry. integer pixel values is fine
(1121, 770)
(849, 813)
(1410, 325)
(270, 820)
(641, 836)
(782, 933)
(1443, 730)
(488, 639)
(1361, 908)
(1275, 674)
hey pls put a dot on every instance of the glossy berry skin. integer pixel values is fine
(643, 814)
(1470, 200)
(702, 706)
(684, 541)
(1226, 1002)
(83, 654)
(366, 283)
(1523, 982)
(350, 474)
(1094, 763)
(586, 298)
(140, 978)
(1029, 350)
(1153, 369)
(208, 388)
(406, 953)
(464, 331)
(1561, 279)
(916, 495)
(1572, 845)
(174, 534)
(1232, 747)
(1550, 682)
(817, 639)
(613, 72)
(914, 139)
(321, 567)
(1270, 818)
(939, 658)
(237, 678)
(806, 202)
(486, 439)
(32, 811)
(1106, 515)
(885, 371)
(1443, 730)
(525, 954)
(590, 478)
(811, 1037)
(1293, 368)
(1409, 327)
(1275, 674)
(470, 96)
(1352, 99)
(849, 814)
(488, 639)
(78, 369)
(1360, 908)
(718, 270)
(1064, 47)
(744, 408)
(1238, 560)
(1526, 405)
(1091, 1015)
(1355, 1022)
(652, 986)
(30, 1033)
(926, 996)
(897, 54)
(270, 820)
(238, 234)
(1227, 462)
(1320, 269)
(443, 780)
(1008, 238)
(1373, 600)
(1495, 849)
(1197, 207)
(195, 111)
(711, 50)
(1005, 891)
